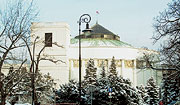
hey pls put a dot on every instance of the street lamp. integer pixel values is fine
(85, 18)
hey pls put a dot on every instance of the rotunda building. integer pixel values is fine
(99, 44)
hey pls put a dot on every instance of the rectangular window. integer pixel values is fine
(129, 63)
(102, 36)
(48, 39)
(118, 63)
(75, 63)
(140, 64)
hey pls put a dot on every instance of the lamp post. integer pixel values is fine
(91, 88)
(85, 18)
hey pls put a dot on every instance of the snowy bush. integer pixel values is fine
(22, 92)
(123, 93)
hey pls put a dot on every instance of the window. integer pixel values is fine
(48, 39)
(102, 61)
(118, 63)
(129, 63)
(86, 62)
(75, 63)
(102, 36)
(139, 64)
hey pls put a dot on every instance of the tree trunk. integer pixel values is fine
(3, 99)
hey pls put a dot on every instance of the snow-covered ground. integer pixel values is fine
(18, 104)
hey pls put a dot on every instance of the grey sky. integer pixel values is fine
(131, 19)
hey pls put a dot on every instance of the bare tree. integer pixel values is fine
(167, 28)
(153, 61)
(36, 57)
(14, 24)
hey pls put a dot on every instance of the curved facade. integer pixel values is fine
(100, 44)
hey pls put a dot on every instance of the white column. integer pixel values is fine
(95, 63)
(83, 69)
(134, 73)
(107, 66)
(143, 78)
(122, 68)
(71, 76)
(70, 69)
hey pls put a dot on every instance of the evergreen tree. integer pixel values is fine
(143, 94)
(101, 93)
(169, 90)
(165, 93)
(123, 93)
(152, 91)
(43, 87)
(112, 68)
(90, 77)
(68, 93)
(13, 80)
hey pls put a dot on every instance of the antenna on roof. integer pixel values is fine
(97, 13)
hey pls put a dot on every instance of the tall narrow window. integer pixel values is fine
(48, 39)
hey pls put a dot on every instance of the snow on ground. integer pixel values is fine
(18, 104)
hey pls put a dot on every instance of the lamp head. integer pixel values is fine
(87, 28)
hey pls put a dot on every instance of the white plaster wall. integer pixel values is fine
(59, 73)
(136, 76)
(61, 35)
(104, 53)
(144, 74)
(62, 72)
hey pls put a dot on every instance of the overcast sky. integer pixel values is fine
(131, 19)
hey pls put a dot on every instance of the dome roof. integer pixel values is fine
(99, 42)
(98, 29)
(99, 36)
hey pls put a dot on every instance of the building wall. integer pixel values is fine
(63, 72)
(123, 56)
(144, 74)
(104, 52)
(58, 52)
(123, 69)
(127, 66)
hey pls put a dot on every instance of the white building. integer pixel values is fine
(100, 45)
